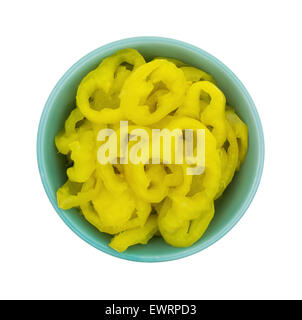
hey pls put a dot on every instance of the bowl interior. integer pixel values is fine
(229, 208)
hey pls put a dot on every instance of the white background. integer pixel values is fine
(260, 258)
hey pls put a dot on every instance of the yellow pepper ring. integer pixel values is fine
(193, 74)
(113, 181)
(102, 78)
(190, 231)
(101, 100)
(212, 159)
(140, 84)
(241, 132)
(229, 160)
(188, 207)
(115, 208)
(83, 157)
(178, 63)
(147, 183)
(138, 235)
(68, 199)
(213, 115)
(69, 133)
(92, 217)
(151, 182)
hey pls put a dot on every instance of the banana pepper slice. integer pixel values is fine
(147, 181)
(140, 85)
(193, 74)
(142, 235)
(69, 133)
(241, 132)
(116, 208)
(73, 194)
(100, 99)
(190, 231)
(177, 62)
(192, 204)
(138, 217)
(212, 114)
(102, 79)
(229, 159)
(112, 177)
(83, 156)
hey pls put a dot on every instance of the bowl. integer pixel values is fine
(229, 208)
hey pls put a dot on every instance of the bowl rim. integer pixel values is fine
(128, 42)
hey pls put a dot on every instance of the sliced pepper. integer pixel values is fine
(229, 160)
(73, 194)
(190, 231)
(140, 84)
(190, 206)
(241, 132)
(141, 235)
(213, 114)
(69, 133)
(83, 156)
(193, 74)
(102, 79)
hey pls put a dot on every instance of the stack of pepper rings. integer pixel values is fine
(134, 202)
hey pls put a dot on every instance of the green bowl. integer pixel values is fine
(234, 202)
